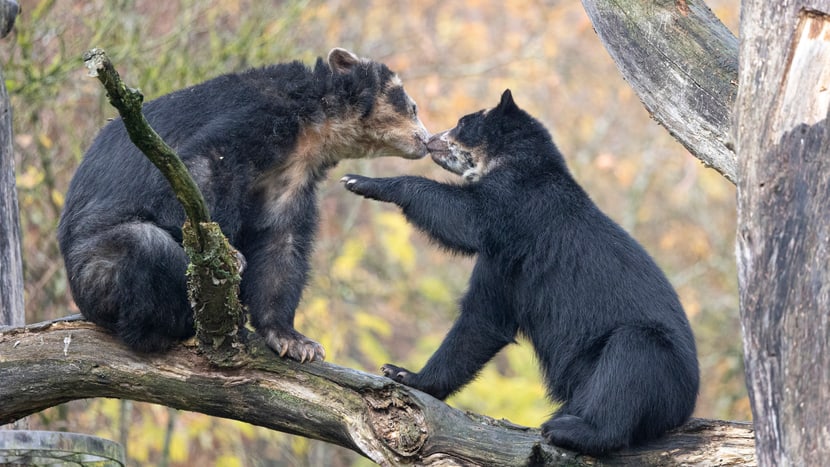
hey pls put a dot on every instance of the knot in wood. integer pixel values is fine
(397, 420)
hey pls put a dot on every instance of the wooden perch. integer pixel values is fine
(213, 275)
(51, 363)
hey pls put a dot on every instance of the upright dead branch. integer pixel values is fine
(9, 10)
(213, 274)
(783, 139)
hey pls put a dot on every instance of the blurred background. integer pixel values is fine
(380, 291)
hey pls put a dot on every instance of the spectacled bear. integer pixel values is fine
(257, 143)
(612, 339)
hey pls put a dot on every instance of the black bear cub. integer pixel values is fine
(257, 143)
(610, 334)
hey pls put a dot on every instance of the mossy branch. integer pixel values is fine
(129, 101)
(214, 271)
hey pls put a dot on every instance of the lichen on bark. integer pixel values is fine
(213, 279)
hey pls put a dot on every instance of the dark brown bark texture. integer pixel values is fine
(51, 363)
(783, 143)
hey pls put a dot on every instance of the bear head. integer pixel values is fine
(372, 113)
(485, 140)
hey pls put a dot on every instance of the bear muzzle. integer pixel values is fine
(438, 144)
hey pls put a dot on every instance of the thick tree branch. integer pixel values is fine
(51, 363)
(683, 63)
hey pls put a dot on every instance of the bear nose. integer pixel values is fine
(437, 142)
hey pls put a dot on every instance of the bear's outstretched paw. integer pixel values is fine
(294, 345)
(401, 375)
(363, 186)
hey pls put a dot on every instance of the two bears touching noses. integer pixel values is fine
(613, 342)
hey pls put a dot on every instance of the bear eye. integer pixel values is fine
(414, 109)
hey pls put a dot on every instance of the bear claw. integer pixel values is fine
(241, 262)
(395, 372)
(295, 346)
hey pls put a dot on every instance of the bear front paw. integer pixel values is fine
(358, 184)
(292, 344)
(401, 375)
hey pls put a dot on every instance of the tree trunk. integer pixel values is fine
(11, 265)
(48, 364)
(12, 311)
(683, 63)
(783, 144)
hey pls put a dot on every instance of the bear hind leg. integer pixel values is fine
(639, 388)
(131, 279)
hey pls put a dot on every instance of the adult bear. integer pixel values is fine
(257, 143)
(611, 336)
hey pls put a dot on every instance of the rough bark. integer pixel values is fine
(12, 311)
(213, 275)
(51, 363)
(683, 64)
(11, 264)
(783, 143)
(8, 14)
(39, 448)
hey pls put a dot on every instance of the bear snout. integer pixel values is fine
(438, 144)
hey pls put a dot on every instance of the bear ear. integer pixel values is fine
(506, 105)
(342, 61)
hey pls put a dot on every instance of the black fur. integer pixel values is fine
(609, 331)
(256, 143)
